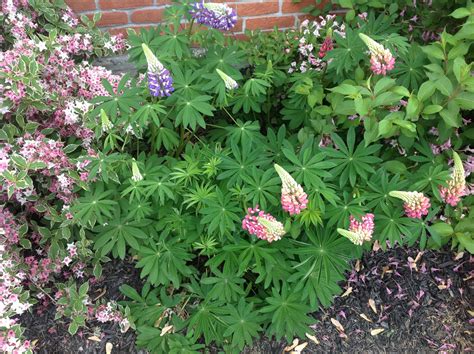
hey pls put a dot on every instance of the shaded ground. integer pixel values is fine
(420, 306)
(52, 336)
(421, 302)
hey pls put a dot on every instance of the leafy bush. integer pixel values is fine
(244, 176)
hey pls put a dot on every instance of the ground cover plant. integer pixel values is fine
(241, 178)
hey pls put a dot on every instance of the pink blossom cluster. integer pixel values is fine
(359, 231)
(365, 227)
(416, 204)
(65, 85)
(40, 270)
(381, 59)
(262, 225)
(325, 47)
(293, 197)
(108, 313)
(54, 165)
(9, 229)
(13, 301)
(310, 57)
(19, 21)
(456, 185)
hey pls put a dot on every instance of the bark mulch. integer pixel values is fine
(400, 300)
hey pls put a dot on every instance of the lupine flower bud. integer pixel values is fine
(106, 123)
(381, 59)
(136, 175)
(229, 82)
(218, 16)
(325, 47)
(293, 197)
(456, 185)
(160, 82)
(416, 204)
(262, 225)
(359, 231)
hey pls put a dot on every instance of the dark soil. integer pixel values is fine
(421, 306)
(52, 336)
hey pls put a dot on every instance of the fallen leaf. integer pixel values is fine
(102, 293)
(376, 246)
(165, 330)
(372, 305)
(459, 256)
(94, 338)
(387, 270)
(412, 264)
(442, 287)
(313, 338)
(108, 348)
(337, 324)
(357, 266)
(418, 256)
(363, 315)
(347, 292)
(299, 348)
(293, 345)
(470, 313)
(376, 331)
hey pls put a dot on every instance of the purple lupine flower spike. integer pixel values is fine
(160, 82)
(218, 16)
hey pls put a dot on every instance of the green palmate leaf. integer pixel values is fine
(351, 161)
(308, 166)
(321, 264)
(119, 233)
(244, 159)
(243, 324)
(221, 214)
(95, 206)
(164, 262)
(261, 187)
(380, 185)
(289, 316)
(392, 225)
(339, 214)
(227, 285)
(246, 133)
(191, 111)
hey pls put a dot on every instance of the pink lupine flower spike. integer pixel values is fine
(262, 225)
(456, 185)
(293, 197)
(359, 231)
(416, 204)
(381, 60)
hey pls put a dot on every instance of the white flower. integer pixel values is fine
(42, 46)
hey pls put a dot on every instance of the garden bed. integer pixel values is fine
(421, 306)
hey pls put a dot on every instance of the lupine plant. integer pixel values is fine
(241, 181)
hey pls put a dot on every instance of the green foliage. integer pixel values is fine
(206, 153)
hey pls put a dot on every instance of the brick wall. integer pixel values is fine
(118, 15)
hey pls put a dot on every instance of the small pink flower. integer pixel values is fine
(293, 197)
(326, 47)
(456, 185)
(262, 225)
(416, 204)
(359, 231)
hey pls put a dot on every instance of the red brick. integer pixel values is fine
(255, 9)
(290, 7)
(115, 31)
(81, 5)
(123, 4)
(269, 22)
(147, 16)
(111, 18)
